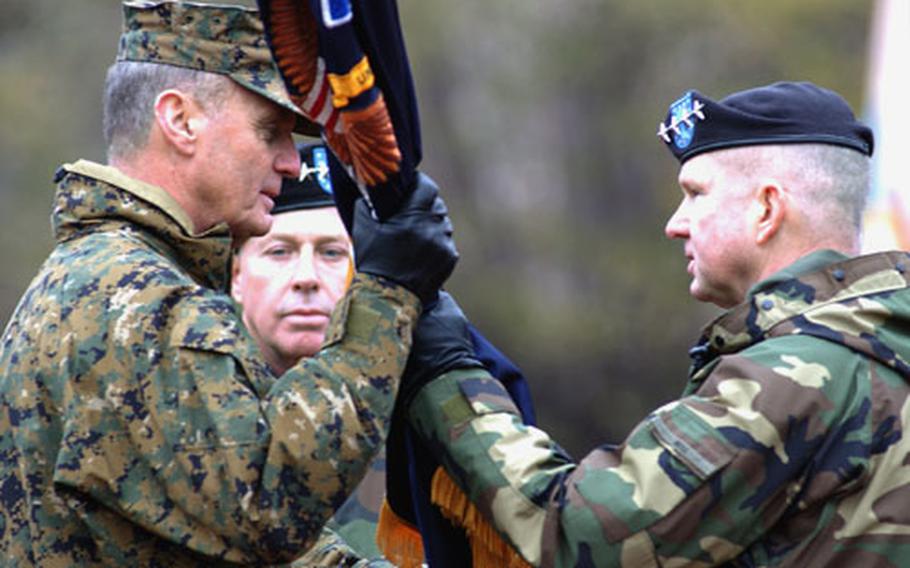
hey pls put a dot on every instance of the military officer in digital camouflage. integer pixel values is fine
(288, 282)
(787, 445)
(140, 426)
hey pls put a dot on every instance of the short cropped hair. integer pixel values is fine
(831, 183)
(130, 91)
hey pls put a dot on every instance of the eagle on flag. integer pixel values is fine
(344, 64)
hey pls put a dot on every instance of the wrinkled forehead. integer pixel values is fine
(732, 166)
(698, 171)
(318, 221)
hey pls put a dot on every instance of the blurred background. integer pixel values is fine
(539, 121)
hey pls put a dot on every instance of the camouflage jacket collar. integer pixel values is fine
(93, 198)
(812, 297)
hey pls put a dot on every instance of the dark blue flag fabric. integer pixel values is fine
(345, 65)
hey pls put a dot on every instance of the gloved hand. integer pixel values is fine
(414, 247)
(442, 343)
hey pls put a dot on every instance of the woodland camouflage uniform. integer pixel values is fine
(786, 449)
(355, 521)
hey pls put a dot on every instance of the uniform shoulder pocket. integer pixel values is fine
(206, 321)
(210, 323)
(485, 394)
(691, 440)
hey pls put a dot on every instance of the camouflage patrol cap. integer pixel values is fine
(214, 38)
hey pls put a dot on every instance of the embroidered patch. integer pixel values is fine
(320, 169)
(691, 440)
(336, 12)
(683, 115)
(486, 395)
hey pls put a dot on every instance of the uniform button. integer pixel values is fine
(767, 304)
(838, 274)
(900, 267)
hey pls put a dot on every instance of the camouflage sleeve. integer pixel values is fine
(693, 484)
(203, 449)
(357, 519)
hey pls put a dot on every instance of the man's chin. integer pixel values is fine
(699, 293)
(307, 344)
(248, 228)
(716, 297)
(308, 351)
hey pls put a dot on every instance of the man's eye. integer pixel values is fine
(268, 134)
(334, 253)
(277, 252)
(269, 130)
(274, 129)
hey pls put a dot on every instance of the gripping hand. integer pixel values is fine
(414, 247)
(442, 343)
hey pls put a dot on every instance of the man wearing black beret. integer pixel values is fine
(289, 279)
(288, 282)
(786, 447)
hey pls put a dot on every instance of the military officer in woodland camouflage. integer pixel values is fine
(140, 427)
(787, 446)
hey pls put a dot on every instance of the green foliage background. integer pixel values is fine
(539, 121)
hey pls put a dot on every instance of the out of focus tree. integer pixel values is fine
(539, 121)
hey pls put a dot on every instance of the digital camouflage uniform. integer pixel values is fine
(349, 537)
(786, 449)
(141, 428)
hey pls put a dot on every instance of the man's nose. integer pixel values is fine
(677, 226)
(287, 161)
(305, 274)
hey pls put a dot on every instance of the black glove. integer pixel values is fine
(442, 343)
(414, 247)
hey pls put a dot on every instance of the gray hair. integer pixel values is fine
(129, 99)
(830, 183)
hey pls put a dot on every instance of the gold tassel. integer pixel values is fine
(488, 549)
(398, 540)
(350, 275)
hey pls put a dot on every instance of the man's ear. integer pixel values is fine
(772, 207)
(178, 117)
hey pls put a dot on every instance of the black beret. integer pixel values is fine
(313, 187)
(781, 113)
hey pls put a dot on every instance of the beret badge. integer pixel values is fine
(312, 188)
(683, 114)
(318, 166)
(780, 113)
